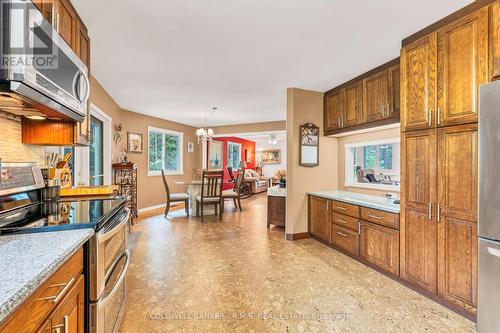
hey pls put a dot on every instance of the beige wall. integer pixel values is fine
(250, 128)
(304, 106)
(150, 188)
(393, 133)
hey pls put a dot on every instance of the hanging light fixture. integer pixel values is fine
(204, 133)
(273, 140)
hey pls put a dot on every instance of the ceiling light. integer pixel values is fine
(204, 133)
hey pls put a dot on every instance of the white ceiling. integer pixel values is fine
(175, 59)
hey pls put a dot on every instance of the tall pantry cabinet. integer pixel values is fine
(440, 76)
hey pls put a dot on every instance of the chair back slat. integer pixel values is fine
(239, 181)
(165, 184)
(212, 184)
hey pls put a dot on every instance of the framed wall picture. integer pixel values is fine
(309, 145)
(190, 147)
(271, 156)
(215, 155)
(134, 142)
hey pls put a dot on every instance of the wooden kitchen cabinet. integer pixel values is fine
(353, 104)
(462, 68)
(418, 200)
(495, 40)
(369, 100)
(334, 109)
(345, 239)
(68, 317)
(46, 7)
(375, 96)
(319, 217)
(83, 44)
(418, 83)
(66, 22)
(379, 246)
(457, 217)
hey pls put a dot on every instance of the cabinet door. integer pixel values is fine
(68, 317)
(418, 202)
(379, 246)
(66, 22)
(462, 68)
(375, 96)
(394, 92)
(457, 187)
(319, 218)
(334, 109)
(418, 84)
(353, 104)
(46, 7)
(83, 44)
(495, 40)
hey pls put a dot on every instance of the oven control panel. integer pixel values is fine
(19, 177)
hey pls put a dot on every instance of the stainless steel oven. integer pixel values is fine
(39, 72)
(109, 261)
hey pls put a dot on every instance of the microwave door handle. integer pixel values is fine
(87, 92)
(119, 282)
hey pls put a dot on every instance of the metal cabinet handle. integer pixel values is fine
(430, 211)
(438, 121)
(388, 111)
(382, 109)
(338, 122)
(439, 214)
(341, 221)
(65, 325)
(375, 217)
(429, 115)
(341, 234)
(57, 298)
(341, 208)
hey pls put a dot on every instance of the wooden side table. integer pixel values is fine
(125, 176)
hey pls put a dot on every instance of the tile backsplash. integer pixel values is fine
(11, 147)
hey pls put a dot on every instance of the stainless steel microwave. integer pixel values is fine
(40, 75)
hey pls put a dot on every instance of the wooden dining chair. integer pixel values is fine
(174, 197)
(211, 192)
(234, 193)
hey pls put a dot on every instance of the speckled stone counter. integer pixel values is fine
(28, 260)
(276, 191)
(370, 201)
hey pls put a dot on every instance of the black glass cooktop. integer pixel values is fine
(61, 215)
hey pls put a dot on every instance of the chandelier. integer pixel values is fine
(204, 133)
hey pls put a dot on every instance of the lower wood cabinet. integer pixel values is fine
(276, 211)
(319, 217)
(69, 315)
(345, 239)
(380, 246)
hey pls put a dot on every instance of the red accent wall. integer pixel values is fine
(245, 144)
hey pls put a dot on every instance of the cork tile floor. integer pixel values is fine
(236, 275)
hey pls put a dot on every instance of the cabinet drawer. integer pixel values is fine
(345, 239)
(380, 217)
(35, 310)
(345, 221)
(380, 246)
(345, 208)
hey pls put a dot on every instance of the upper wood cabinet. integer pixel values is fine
(353, 104)
(319, 217)
(462, 68)
(83, 44)
(47, 8)
(372, 99)
(66, 22)
(495, 40)
(418, 83)
(334, 109)
(375, 96)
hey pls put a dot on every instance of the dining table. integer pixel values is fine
(194, 190)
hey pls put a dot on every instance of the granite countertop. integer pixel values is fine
(370, 201)
(28, 260)
(276, 191)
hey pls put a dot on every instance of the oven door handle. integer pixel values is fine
(118, 282)
(104, 237)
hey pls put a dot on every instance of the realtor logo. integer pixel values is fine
(24, 43)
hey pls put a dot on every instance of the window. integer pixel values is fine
(233, 155)
(164, 152)
(381, 158)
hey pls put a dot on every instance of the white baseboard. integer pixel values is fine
(147, 209)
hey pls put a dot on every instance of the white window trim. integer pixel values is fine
(348, 182)
(179, 172)
(227, 152)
